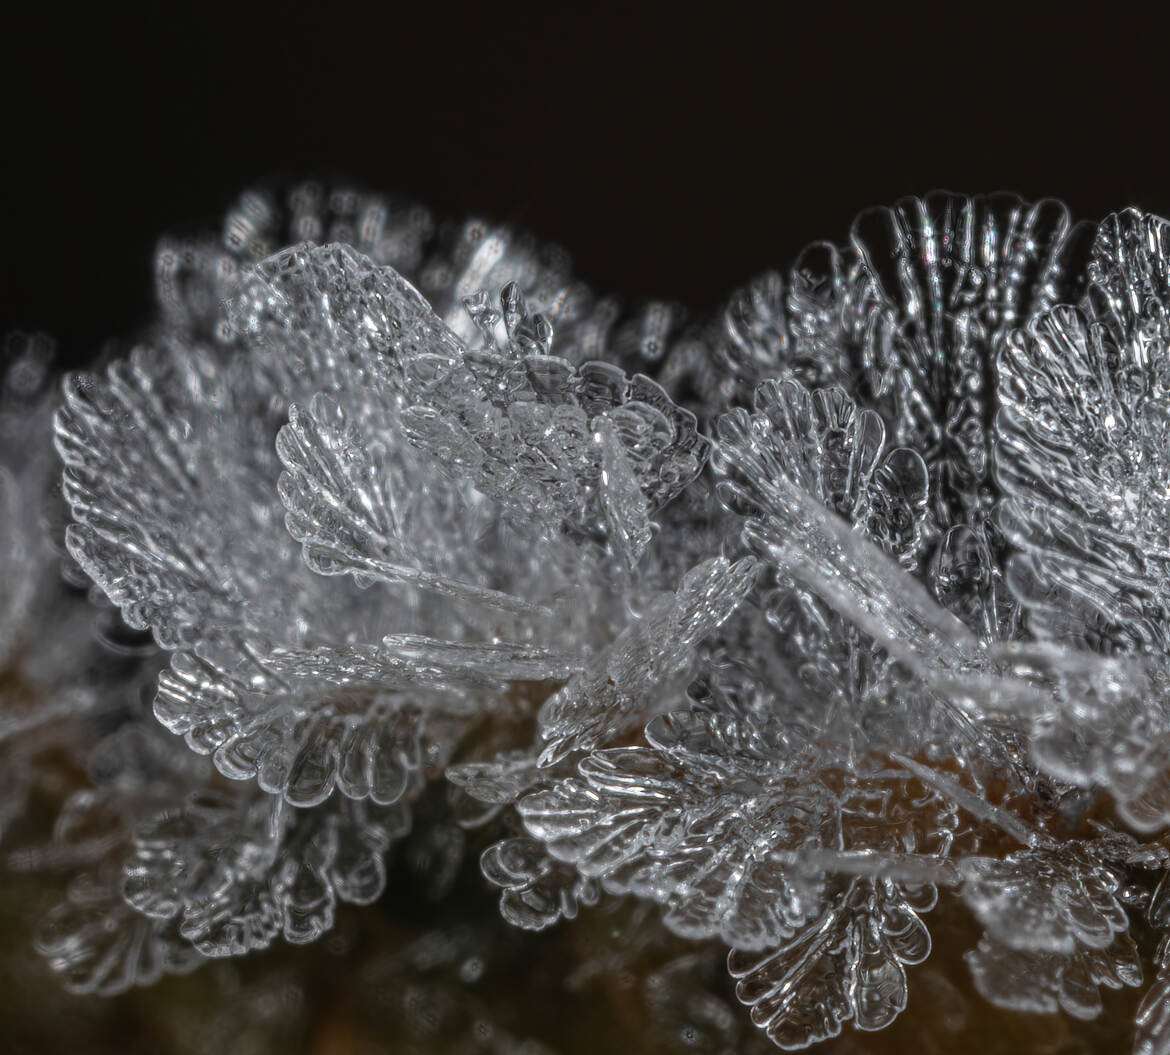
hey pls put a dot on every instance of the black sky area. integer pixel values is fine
(675, 152)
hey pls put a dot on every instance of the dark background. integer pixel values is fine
(674, 153)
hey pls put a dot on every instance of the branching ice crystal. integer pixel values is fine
(793, 625)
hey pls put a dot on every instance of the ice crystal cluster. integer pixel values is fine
(789, 625)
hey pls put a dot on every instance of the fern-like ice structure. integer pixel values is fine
(779, 627)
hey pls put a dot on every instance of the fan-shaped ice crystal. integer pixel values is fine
(1084, 421)
(236, 872)
(692, 821)
(537, 890)
(848, 965)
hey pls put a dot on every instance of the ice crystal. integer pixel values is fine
(692, 821)
(236, 874)
(847, 965)
(537, 890)
(789, 624)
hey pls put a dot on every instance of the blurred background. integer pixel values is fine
(675, 153)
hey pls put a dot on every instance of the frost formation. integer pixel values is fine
(796, 624)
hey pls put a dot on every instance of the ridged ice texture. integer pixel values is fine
(821, 443)
(98, 945)
(65, 665)
(237, 871)
(773, 329)
(93, 939)
(908, 317)
(358, 667)
(847, 965)
(172, 474)
(691, 821)
(581, 449)
(304, 737)
(1129, 275)
(805, 458)
(360, 499)
(1091, 568)
(326, 318)
(1053, 899)
(1084, 424)
(946, 277)
(1081, 440)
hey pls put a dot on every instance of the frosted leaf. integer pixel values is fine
(929, 291)
(537, 890)
(54, 673)
(621, 686)
(1084, 422)
(801, 537)
(827, 506)
(171, 471)
(846, 965)
(753, 342)
(691, 822)
(310, 681)
(99, 945)
(1059, 900)
(236, 873)
(136, 770)
(359, 721)
(174, 542)
(1055, 928)
(92, 938)
(822, 315)
(771, 329)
